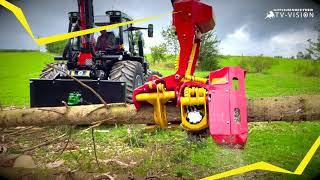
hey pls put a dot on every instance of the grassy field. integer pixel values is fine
(171, 153)
(16, 68)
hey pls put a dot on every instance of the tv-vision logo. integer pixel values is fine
(290, 13)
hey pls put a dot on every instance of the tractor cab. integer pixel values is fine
(105, 47)
(123, 37)
(117, 37)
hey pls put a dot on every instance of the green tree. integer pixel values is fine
(314, 48)
(171, 41)
(56, 47)
(307, 56)
(209, 52)
(158, 52)
(300, 55)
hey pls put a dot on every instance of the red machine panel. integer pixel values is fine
(227, 106)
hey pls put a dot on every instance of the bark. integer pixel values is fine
(294, 108)
(291, 108)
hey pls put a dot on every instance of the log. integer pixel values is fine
(291, 108)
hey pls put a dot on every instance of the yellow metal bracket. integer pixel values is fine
(194, 96)
(188, 76)
(158, 100)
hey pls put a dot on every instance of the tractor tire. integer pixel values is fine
(151, 73)
(130, 72)
(51, 73)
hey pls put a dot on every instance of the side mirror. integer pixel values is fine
(150, 30)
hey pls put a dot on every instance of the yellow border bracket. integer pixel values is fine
(269, 167)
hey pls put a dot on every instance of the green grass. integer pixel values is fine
(16, 68)
(171, 152)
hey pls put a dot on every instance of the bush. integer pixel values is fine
(56, 47)
(209, 63)
(170, 61)
(158, 53)
(257, 64)
(308, 68)
(209, 52)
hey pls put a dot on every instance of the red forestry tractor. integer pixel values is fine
(217, 103)
(112, 64)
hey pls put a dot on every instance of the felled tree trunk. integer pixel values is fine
(294, 108)
(290, 108)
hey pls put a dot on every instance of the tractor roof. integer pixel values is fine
(123, 15)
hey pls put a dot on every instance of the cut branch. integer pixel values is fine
(44, 143)
(66, 144)
(294, 108)
(94, 147)
(19, 131)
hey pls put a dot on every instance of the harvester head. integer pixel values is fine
(217, 103)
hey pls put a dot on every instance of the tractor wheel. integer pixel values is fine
(51, 73)
(151, 73)
(130, 72)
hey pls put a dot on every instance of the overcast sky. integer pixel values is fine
(241, 24)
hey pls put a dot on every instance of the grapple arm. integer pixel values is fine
(211, 103)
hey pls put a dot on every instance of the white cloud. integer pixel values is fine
(155, 40)
(234, 43)
(240, 34)
(283, 44)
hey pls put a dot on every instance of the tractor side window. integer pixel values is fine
(75, 42)
(131, 48)
(126, 38)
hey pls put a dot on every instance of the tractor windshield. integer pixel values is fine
(108, 39)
